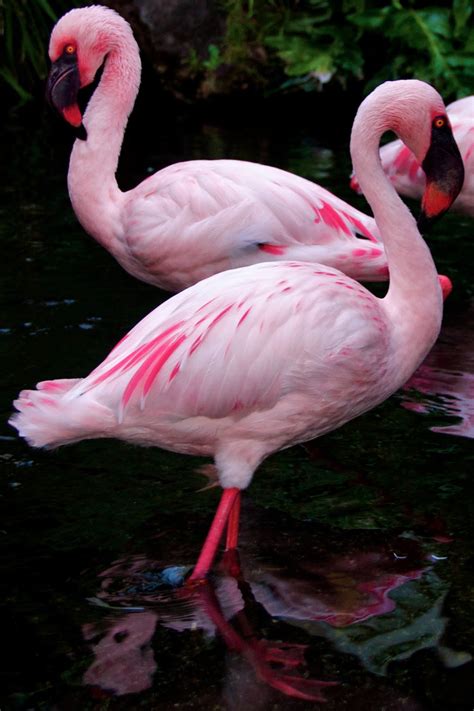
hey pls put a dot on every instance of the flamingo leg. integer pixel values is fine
(230, 560)
(233, 525)
(208, 551)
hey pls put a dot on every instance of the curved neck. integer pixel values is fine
(414, 299)
(91, 177)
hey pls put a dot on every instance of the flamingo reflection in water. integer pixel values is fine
(220, 606)
(444, 383)
(326, 594)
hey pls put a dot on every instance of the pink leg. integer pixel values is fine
(233, 525)
(230, 560)
(208, 551)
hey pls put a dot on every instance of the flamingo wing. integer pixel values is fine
(241, 341)
(465, 139)
(201, 217)
(462, 109)
(402, 168)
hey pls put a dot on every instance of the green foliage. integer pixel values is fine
(314, 47)
(431, 43)
(24, 30)
(240, 59)
(313, 42)
(283, 44)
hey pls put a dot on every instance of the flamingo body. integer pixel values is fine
(179, 372)
(196, 218)
(406, 173)
(256, 359)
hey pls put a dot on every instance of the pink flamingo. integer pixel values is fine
(196, 218)
(405, 171)
(254, 360)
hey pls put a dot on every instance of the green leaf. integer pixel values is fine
(370, 19)
(12, 81)
(462, 10)
(436, 20)
(464, 62)
(214, 60)
(322, 5)
(301, 57)
(47, 9)
(469, 46)
(349, 5)
(26, 27)
(8, 31)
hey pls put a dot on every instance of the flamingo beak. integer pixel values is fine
(62, 88)
(444, 171)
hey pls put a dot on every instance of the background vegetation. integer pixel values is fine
(25, 26)
(314, 42)
(274, 45)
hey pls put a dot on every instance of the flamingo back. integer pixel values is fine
(193, 219)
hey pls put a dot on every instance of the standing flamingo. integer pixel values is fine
(192, 219)
(407, 175)
(254, 360)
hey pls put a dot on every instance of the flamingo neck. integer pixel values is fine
(413, 302)
(93, 189)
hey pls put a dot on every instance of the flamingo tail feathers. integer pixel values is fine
(47, 417)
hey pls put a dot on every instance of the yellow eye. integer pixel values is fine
(440, 122)
(69, 49)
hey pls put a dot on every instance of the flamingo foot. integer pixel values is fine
(278, 664)
(298, 687)
(209, 549)
(230, 563)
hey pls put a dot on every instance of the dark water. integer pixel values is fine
(357, 551)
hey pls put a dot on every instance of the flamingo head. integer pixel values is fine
(444, 171)
(428, 134)
(79, 44)
(416, 113)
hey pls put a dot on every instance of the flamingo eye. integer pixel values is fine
(69, 49)
(439, 122)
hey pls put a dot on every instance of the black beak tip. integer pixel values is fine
(424, 222)
(80, 132)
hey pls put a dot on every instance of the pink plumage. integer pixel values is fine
(256, 359)
(196, 218)
(405, 172)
